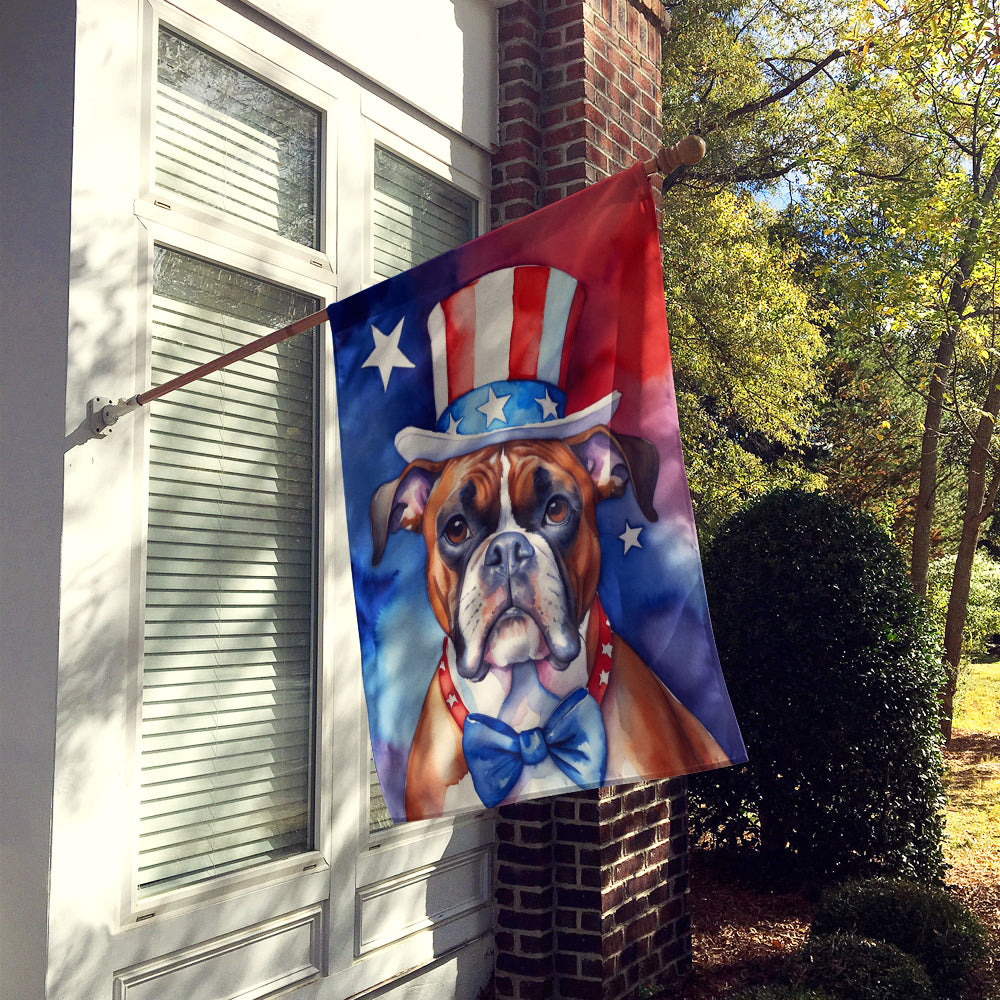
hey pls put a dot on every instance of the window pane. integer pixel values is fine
(416, 216)
(228, 662)
(228, 140)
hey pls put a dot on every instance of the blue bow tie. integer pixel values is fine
(573, 737)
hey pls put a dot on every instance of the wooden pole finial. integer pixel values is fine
(668, 158)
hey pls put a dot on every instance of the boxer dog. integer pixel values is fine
(513, 560)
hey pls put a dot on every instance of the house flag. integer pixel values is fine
(529, 594)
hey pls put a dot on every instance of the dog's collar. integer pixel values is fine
(596, 685)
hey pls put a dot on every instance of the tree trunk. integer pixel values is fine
(980, 500)
(958, 299)
(920, 553)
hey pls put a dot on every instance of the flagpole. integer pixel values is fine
(103, 413)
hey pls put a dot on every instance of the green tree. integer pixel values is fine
(912, 192)
(747, 357)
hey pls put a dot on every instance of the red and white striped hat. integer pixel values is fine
(500, 349)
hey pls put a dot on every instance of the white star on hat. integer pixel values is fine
(386, 356)
(493, 408)
(550, 408)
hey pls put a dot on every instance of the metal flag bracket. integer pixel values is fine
(103, 413)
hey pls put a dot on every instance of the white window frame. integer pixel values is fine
(180, 224)
(351, 874)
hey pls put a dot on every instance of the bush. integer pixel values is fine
(856, 968)
(927, 923)
(833, 673)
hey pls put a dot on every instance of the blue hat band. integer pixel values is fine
(503, 404)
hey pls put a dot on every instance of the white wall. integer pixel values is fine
(36, 108)
(414, 50)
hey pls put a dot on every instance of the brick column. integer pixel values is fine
(579, 96)
(591, 889)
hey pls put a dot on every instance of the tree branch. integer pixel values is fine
(754, 106)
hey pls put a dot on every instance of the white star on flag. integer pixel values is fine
(630, 536)
(550, 408)
(493, 408)
(386, 356)
(605, 676)
(606, 649)
(451, 701)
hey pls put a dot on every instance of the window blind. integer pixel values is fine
(415, 217)
(228, 652)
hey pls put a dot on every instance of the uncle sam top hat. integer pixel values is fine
(500, 349)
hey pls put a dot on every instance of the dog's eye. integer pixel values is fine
(456, 530)
(556, 510)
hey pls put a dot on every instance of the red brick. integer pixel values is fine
(517, 111)
(537, 966)
(567, 964)
(581, 989)
(524, 920)
(572, 130)
(518, 876)
(520, 93)
(518, 49)
(519, 149)
(563, 53)
(530, 899)
(520, 130)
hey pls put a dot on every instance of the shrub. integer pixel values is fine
(926, 922)
(833, 673)
(782, 993)
(856, 968)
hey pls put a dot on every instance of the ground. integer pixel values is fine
(741, 935)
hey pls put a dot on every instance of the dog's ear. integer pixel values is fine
(400, 503)
(614, 459)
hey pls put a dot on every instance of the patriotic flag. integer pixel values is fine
(526, 576)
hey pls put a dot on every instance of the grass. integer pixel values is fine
(972, 848)
(973, 784)
(978, 698)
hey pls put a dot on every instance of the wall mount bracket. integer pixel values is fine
(103, 413)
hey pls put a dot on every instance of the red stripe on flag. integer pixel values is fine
(460, 334)
(530, 284)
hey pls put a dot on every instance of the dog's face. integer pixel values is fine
(513, 556)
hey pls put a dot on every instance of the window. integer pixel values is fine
(230, 141)
(416, 215)
(228, 686)
(229, 650)
(253, 802)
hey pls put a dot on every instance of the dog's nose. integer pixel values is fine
(509, 550)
